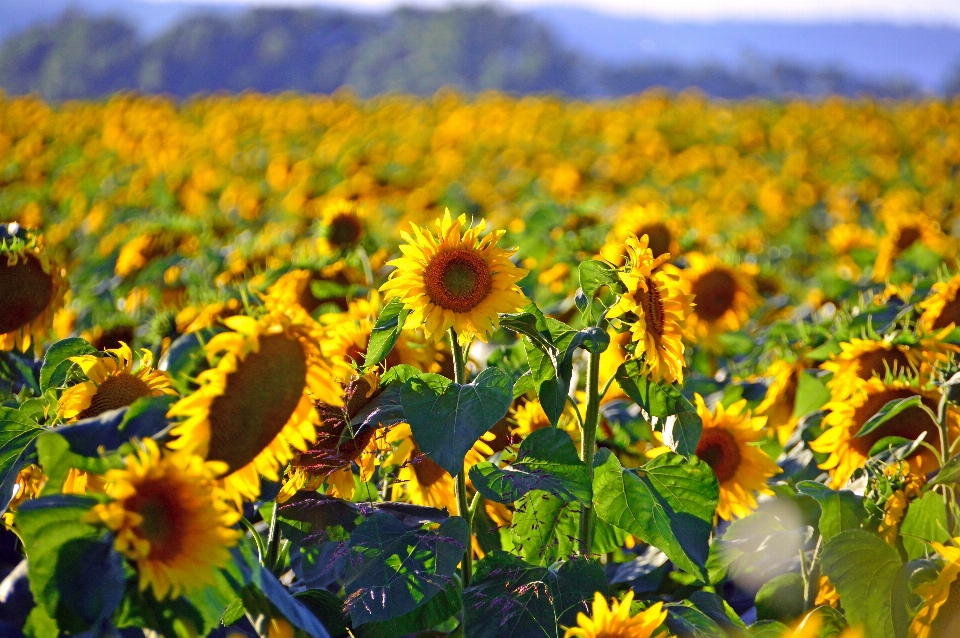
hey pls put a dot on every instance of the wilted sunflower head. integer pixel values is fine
(656, 308)
(616, 621)
(742, 469)
(343, 226)
(32, 289)
(255, 406)
(113, 381)
(723, 295)
(169, 518)
(848, 414)
(453, 280)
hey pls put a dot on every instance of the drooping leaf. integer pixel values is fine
(547, 460)
(509, 598)
(669, 503)
(447, 418)
(395, 570)
(56, 362)
(384, 334)
(862, 567)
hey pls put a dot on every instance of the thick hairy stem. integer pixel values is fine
(463, 508)
(588, 440)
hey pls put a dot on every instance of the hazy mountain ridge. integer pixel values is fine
(317, 50)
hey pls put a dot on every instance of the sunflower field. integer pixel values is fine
(479, 367)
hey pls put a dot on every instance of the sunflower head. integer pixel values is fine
(779, 402)
(741, 468)
(939, 614)
(32, 289)
(860, 360)
(904, 230)
(941, 308)
(614, 620)
(653, 220)
(169, 518)
(113, 381)
(256, 405)
(656, 308)
(455, 279)
(723, 295)
(343, 226)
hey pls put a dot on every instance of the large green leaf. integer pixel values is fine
(395, 570)
(812, 394)
(63, 552)
(448, 418)
(663, 400)
(863, 567)
(17, 448)
(839, 510)
(57, 364)
(512, 599)
(384, 334)
(547, 460)
(926, 521)
(438, 609)
(669, 503)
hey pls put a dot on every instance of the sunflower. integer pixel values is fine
(529, 417)
(255, 407)
(908, 487)
(653, 220)
(453, 280)
(296, 288)
(343, 226)
(112, 383)
(655, 298)
(30, 480)
(941, 309)
(347, 336)
(169, 518)
(32, 289)
(724, 295)
(741, 469)
(612, 358)
(196, 318)
(779, 402)
(420, 480)
(903, 231)
(860, 360)
(615, 621)
(939, 615)
(848, 414)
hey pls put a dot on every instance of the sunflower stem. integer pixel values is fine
(588, 440)
(463, 508)
(273, 539)
(945, 452)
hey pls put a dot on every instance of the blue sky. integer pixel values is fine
(897, 11)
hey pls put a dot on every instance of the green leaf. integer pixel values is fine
(385, 333)
(892, 409)
(64, 551)
(56, 362)
(812, 395)
(395, 570)
(57, 459)
(669, 503)
(862, 567)
(441, 607)
(17, 449)
(839, 510)
(400, 373)
(926, 521)
(663, 400)
(949, 473)
(768, 629)
(686, 621)
(512, 599)
(547, 460)
(594, 275)
(781, 598)
(328, 607)
(448, 418)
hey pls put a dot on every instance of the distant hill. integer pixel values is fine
(120, 47)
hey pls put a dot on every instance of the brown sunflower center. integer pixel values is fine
(876, 363)
(114, 337)
(659, 237)
(116, 391)
(345, 230)
(426, 470)
(714, 294)
(458, 280)
(257, 402)
(909, 424)
(652, 302)
(163, 516)
(25, 292)
(718, 449)
(949, 314)
(907, 237)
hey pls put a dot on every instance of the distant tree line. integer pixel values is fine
(409, 50)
